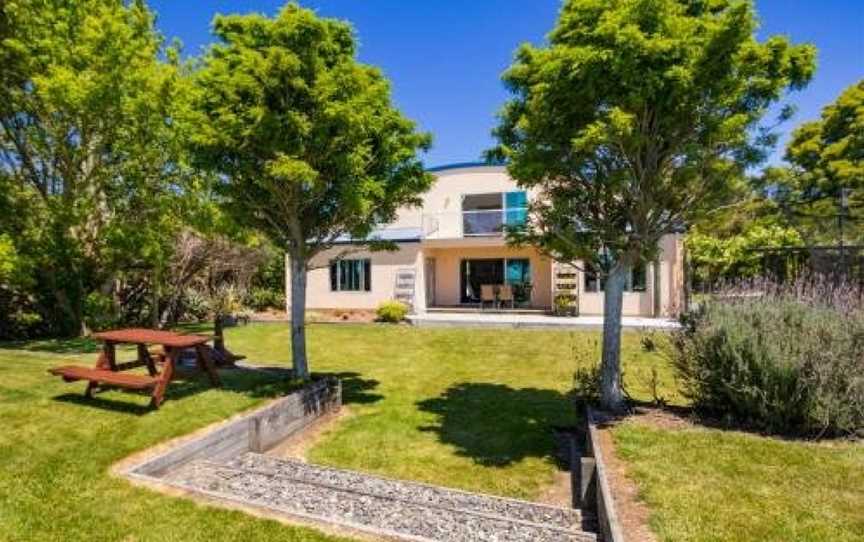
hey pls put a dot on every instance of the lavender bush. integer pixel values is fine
(783, 358)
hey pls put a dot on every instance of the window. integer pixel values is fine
(515, 208)
(496, 271)
(351, 275)
(593, 282)
(637, 280)
(488, 214)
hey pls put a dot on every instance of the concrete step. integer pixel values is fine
(405, 510)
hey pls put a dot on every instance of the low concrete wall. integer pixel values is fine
(594, 490)
(256, 431)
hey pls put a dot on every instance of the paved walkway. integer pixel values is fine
(382, 506)
(532, 321)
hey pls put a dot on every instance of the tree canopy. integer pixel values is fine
(305, 138)
(87, 148)
(826, 158)
(634, 119)
(725, 246)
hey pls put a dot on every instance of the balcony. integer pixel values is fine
(468, 224)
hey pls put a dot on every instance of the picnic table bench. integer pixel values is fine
(108, 372)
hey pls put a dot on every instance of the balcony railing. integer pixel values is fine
(456, 225)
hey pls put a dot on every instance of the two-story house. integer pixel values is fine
(454, 245)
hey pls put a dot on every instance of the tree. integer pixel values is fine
(826, 159)
(723, 246)
(637, 116)
(87, 146)
(305, 139)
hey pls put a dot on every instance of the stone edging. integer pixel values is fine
(256, 431)
(607, 517)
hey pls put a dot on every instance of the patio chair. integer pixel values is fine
(487, 295)
(505, 295)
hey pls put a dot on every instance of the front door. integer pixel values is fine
(475, 273)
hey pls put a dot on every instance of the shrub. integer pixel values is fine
(261, 299)
(100, 311)
(195, 306)
(783, 360)
(566, 304)
(391, 311)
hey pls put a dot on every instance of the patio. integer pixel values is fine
(531, 320)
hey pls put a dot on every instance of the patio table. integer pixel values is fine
(109, 372)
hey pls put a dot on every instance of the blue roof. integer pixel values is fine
(460, 165)
(386, 234)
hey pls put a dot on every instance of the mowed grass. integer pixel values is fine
(56, 449)
(471, 409)
(714, 485)
(466, 408)
(456, 407)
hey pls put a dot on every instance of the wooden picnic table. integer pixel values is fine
(109, 372)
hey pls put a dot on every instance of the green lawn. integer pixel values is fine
(56, 448)
(704, 484)
(464, 408)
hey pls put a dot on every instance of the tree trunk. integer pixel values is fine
(611, 394)
(218, 333)
(298, 318)
(78, 307)
(154, 310)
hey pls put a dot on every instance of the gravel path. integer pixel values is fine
(389, 507)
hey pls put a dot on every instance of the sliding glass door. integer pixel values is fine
(519, 277)
(475, 273)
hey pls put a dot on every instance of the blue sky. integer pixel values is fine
(445, 57)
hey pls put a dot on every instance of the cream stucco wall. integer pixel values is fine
(384, 268)
(448, 280)
(670, 283)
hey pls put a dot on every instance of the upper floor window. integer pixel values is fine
(488, 214)
(637, 280)
(351, 275)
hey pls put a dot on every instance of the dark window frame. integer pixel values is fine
(637, 280)
(351, 275)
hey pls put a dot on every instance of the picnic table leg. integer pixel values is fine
(165, 377)
(107, 360)
(107, 357)
(144, 355)
(111, 355)
(205, 363)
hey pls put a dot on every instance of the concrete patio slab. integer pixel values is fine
(533, 321)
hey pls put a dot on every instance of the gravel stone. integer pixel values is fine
(407, 510)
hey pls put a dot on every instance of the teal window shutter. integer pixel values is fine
(515, 208)
(516, 200)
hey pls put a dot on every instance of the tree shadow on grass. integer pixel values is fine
(497, 425)
(355, 388)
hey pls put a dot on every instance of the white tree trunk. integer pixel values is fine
(611, 394)
(298, 318)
